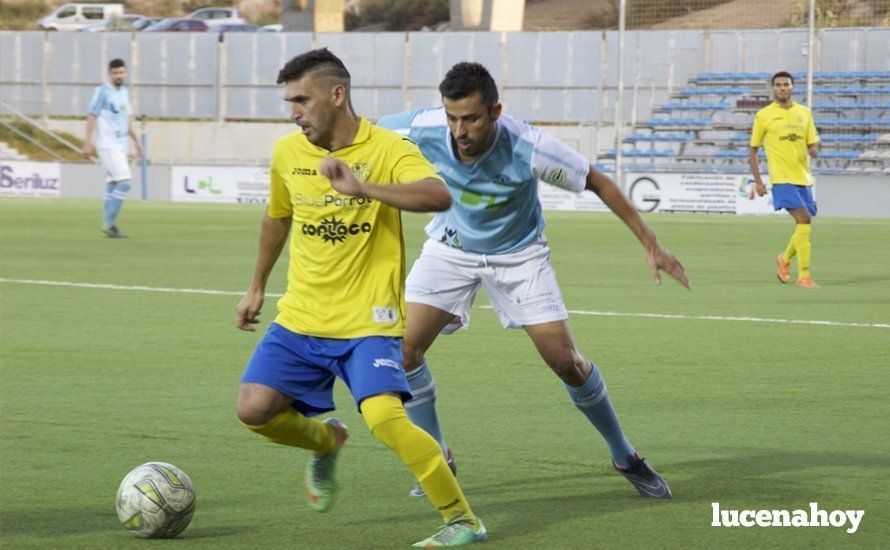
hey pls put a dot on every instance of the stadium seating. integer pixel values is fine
(706, 125)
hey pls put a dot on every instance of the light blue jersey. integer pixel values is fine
(111, 107)
(495, 207)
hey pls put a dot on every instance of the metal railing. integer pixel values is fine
(28, 120)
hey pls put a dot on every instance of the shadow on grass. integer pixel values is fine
(77, 520)
(518, 507)
(747, 475)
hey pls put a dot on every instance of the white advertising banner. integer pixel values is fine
(710, 193)
(219, 184)
(29, 179)
(554, 198)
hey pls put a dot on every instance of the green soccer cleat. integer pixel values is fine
(321, 472)
(455, 533)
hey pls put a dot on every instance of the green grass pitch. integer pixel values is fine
(753, 415)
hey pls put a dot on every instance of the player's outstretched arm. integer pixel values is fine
(273, 236)
(658, 258)
(425, 195)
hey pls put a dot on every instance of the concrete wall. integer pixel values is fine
(853, 196)
(250, 143)
(86, 181)
(559, 77)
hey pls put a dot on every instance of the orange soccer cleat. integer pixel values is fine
(784, 269)
(807, 282)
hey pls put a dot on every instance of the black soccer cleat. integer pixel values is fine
(644, 478)
(114, 232)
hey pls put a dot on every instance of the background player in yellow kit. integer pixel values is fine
(339, 183)
(787, 132)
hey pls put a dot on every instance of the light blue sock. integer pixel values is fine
(422, 406)
(107, 218)
(592, 399)
(114, 201)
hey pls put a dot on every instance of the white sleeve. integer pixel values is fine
(554, 162)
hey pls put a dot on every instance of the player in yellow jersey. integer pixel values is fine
(337, 187)
(787, 132)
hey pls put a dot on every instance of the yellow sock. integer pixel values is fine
(292, 428)
(801, 242)
(388, 421)
(790, 251)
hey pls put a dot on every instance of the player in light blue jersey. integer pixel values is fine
(492, 236)
(110, 122)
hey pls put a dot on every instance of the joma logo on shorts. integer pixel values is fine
(386, 363)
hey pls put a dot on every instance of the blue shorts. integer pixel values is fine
(790, 197)
(304, 367)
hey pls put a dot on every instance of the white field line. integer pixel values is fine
(137, 288)
(571, 311)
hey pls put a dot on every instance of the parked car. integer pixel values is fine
(72, 17)
(173, 24)
(276, 27)
(145, 23)
(217, 16)
(233, 27)
(120, 23)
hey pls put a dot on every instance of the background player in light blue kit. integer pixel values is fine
(492, 236)
(110, 122)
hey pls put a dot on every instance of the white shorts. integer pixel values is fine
(117, 167)
(521, 285)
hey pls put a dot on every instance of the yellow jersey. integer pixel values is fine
(785, 135)
(346, 275)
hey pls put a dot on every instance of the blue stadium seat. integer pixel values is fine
(604, 167)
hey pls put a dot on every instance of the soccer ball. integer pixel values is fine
(156, 500)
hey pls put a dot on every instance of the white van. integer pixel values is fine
(213, 17)
(72, 17)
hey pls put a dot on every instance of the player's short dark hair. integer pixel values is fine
(116, 64)
(465, 79)
(321, 61)
(782, 74)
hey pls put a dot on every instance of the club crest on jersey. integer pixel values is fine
(557, 177)
(362, 171)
